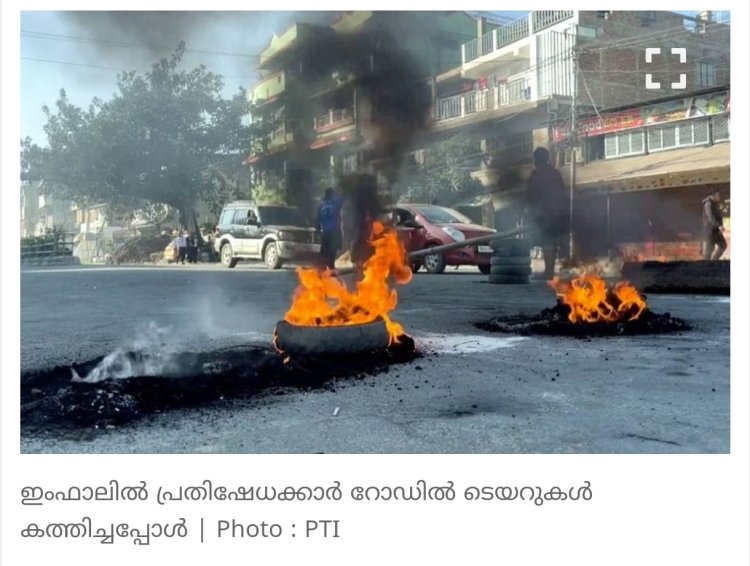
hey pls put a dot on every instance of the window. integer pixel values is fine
(705, 74)
(240, 216)
(226, 217)
(689, 132)
(622, 144)
(721, 128)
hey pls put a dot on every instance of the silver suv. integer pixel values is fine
(270, 233)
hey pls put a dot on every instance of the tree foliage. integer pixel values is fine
(445, 175)
(165, 137)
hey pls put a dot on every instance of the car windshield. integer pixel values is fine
(439, 215)
(281, 216)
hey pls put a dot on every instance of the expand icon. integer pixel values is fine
(651, 84)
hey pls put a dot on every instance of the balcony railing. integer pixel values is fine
(512, 32)
(546, 18)
(514, 91)
(333, 119)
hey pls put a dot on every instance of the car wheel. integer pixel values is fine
(271, 256)
(485, 269)
(434, 263)
(227, 256)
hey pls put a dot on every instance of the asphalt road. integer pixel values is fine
(481, 393)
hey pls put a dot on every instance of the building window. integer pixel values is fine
(622, 144)
(705, 74)
(721, 128)
(689, 132)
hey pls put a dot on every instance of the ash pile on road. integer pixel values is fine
(555, 322)
(55, 400)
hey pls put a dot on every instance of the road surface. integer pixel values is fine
(479, 393)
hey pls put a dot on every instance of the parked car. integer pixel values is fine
(423, 226)
(271, 233)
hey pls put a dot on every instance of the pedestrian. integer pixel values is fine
(329, 225)
(192, 248)
(181, 248)
(547, 207)
(713, 227)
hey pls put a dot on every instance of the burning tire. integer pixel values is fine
(336, 340)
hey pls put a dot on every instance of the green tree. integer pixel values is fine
(445, 175)
(161, 139)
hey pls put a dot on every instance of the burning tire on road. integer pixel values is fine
(335, 340)
(586, 307)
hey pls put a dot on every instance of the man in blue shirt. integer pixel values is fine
(329, 224)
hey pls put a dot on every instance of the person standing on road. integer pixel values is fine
(181, 248)
(713, 227)
(329, 224)
(547, 206)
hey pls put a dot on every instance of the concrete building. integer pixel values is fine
(317, 118)
(515, 87)
(41, 212)
(643, 172)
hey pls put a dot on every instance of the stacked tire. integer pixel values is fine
(511, 262)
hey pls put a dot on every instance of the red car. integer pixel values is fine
(425, 225)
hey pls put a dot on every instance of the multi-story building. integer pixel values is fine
(518, 79)
(317, 116)
(41, 212)
(29, 208)
(643, 171)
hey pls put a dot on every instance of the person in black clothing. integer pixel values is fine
(713, 227)
(547, 205)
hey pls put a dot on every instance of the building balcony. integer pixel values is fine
(517, 90)
(269, 88)
(505, 36)
(333, 120)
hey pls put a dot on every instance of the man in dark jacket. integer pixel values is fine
(547, 204)
(713, 225)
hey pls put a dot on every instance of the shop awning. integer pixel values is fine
(674, 168)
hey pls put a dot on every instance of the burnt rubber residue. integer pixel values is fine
(554, 322)
(51, 400)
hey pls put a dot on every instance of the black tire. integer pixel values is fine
(327, 340)
(512, 270)
(227, 256)
(508, 279)
(271, 256)
(510, 260)
(415, 267)
(510, 247)
(485, 268)
(434, 263)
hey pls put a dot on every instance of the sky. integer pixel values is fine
(82, 52)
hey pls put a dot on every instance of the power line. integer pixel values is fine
(39, 60)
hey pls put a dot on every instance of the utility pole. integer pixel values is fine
(573, 147)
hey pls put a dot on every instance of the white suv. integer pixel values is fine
(270, 233)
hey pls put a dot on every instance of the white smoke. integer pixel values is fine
(152, 352)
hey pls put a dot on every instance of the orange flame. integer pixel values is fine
(321, 299)
(590, 300)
